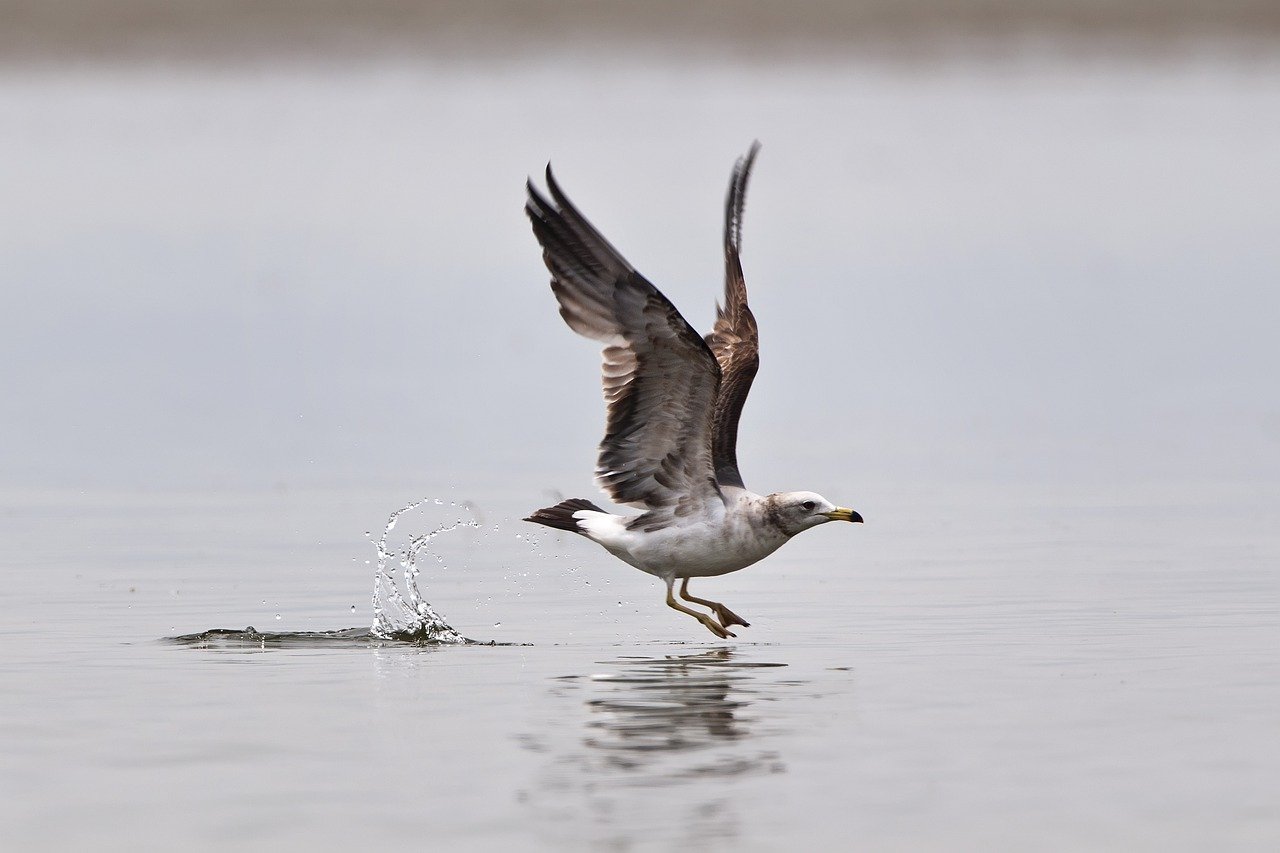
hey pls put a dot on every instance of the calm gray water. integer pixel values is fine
(1020, 314)
(979, 670)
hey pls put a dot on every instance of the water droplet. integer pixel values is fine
(278, 617)
(353, 608)
(368, 533)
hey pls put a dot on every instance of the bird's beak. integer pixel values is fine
(842, 514)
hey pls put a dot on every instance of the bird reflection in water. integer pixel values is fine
(663, 724)
(660, 719)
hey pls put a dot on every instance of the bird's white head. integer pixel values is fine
(794, 512)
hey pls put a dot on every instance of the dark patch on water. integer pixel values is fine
(244, 638)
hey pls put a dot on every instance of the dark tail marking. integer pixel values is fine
(560, 516)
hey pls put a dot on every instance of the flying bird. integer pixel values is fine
(674, 399)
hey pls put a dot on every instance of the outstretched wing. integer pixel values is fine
(734, 340)
(660, 379)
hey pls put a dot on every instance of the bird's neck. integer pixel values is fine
(764, 513)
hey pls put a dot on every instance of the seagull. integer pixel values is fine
(674, 399)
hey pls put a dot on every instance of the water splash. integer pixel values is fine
(401, 614)
(406, 615)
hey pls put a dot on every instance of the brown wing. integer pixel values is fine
(735, 339)
(660, 379)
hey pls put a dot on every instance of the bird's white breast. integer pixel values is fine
(726, 539)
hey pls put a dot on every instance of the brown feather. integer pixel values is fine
(735, 339)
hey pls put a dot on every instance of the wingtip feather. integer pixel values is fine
(736, 200)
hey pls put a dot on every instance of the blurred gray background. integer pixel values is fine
(265, 245)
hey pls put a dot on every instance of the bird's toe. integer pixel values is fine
(728, 618)
(717, 629)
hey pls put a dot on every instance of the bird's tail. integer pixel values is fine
(561, 517)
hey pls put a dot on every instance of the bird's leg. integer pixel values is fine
(727, 617)
(712, 626)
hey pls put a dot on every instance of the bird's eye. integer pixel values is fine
(808, 505)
